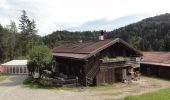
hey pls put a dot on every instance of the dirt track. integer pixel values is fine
(11, 89)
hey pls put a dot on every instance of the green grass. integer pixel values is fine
(3, 76)
(163, 94)
(29, 82)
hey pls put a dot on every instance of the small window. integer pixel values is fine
(10, 70)
(17, 69)
(21, 70)
(7, 69)
(13, 69)
(25, 69)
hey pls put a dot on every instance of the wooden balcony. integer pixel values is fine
(120, 62)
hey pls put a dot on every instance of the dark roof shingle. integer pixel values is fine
(87, 49)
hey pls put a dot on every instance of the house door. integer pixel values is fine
(118, 74)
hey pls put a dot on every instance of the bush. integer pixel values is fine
(29, 82)
(40, 59)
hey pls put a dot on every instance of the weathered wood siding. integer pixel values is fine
(81, 68)
(90, 63)
(111, 52)
(108, 74)
(105, 75)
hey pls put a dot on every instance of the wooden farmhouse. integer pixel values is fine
(99, 62)
(156, 64)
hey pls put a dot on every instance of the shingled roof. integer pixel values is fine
(156, 58)
(87, 49)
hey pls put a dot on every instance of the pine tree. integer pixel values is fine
(12, 43)
(28, 32)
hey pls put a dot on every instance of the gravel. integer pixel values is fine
(12, 89)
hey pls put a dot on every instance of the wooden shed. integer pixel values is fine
(98, 62)
(156, 64)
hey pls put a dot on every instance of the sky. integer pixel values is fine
(81, 15)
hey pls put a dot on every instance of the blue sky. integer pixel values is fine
(81, 15)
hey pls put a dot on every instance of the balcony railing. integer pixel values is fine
(121, 61)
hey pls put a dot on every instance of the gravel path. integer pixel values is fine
(11, 89)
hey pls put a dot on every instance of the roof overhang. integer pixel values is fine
(71, 55)
(158, 64)
(16, 63)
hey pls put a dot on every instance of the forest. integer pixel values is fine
(15, 44)
(151, 34)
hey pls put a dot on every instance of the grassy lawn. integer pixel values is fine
(3, 76)
(163, 94)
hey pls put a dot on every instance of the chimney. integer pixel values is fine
(101, 36)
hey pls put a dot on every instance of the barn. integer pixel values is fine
(96, 62)
(16, 67)
(156, 64)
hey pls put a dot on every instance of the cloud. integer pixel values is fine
(51, 15)
(109, 25)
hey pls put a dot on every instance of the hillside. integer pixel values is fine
(151, 34)
(147, 35)
(59, 37)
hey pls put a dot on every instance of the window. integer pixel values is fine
(7, 69)
(17, 69)
(13, 68)
(25, 69)
(21, 69)
(10, 69)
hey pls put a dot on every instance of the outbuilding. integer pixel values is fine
(156, 64)
(16, 67)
